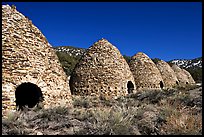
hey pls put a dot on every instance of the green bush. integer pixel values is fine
(68, 62)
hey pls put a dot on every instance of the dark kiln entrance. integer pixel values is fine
(161, 84)
(28, 94)
(130, 87)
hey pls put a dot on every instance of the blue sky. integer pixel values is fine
(165, 30)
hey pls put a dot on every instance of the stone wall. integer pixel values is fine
(190, 78)
(145, 72)
(101, 71)
(167, 73)
(181, 76)
(28, 57)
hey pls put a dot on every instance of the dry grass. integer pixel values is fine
(145, 113)
(182, 122)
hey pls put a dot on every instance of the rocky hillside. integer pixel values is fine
(70, 50)
(188, 63)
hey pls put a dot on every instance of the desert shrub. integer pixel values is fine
(155, 60)
(111, 121)
(45, 115)
(79, 101)
(186, 87)
(68, 62)
(90, 101)
(186, 98)
(82, 114)
(182, 122)
(179, 118)
(16, 123)
(147, 118)
(13, 6)
(107, 101)
(12, 115)
(127, 102)
(127, 58)
(148, 96)
(60, 110)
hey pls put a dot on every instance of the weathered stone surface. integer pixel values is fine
(180, 74)
(190, 78)
(167, 73)
(28, 57)
(145, 72)
(101, 71)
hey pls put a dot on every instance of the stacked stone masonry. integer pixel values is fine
(28, 57)
(145, 72)
(167, 73)
(190, 78)
(181, 75)
(102, 71)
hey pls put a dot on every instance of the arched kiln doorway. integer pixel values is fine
(28, 94)
(161, 84)
(130, 87)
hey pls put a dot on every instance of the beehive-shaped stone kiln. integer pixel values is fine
(180, 74)
(102, 71)
(167, 73)
(190, 78)
(145, 72)
(28, 57)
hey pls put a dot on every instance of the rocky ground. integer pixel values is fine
(170, 112)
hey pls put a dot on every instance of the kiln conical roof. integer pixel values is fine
(145, 72)
(181, 76)
(101, 71)
(28, 57)
(167, 73)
